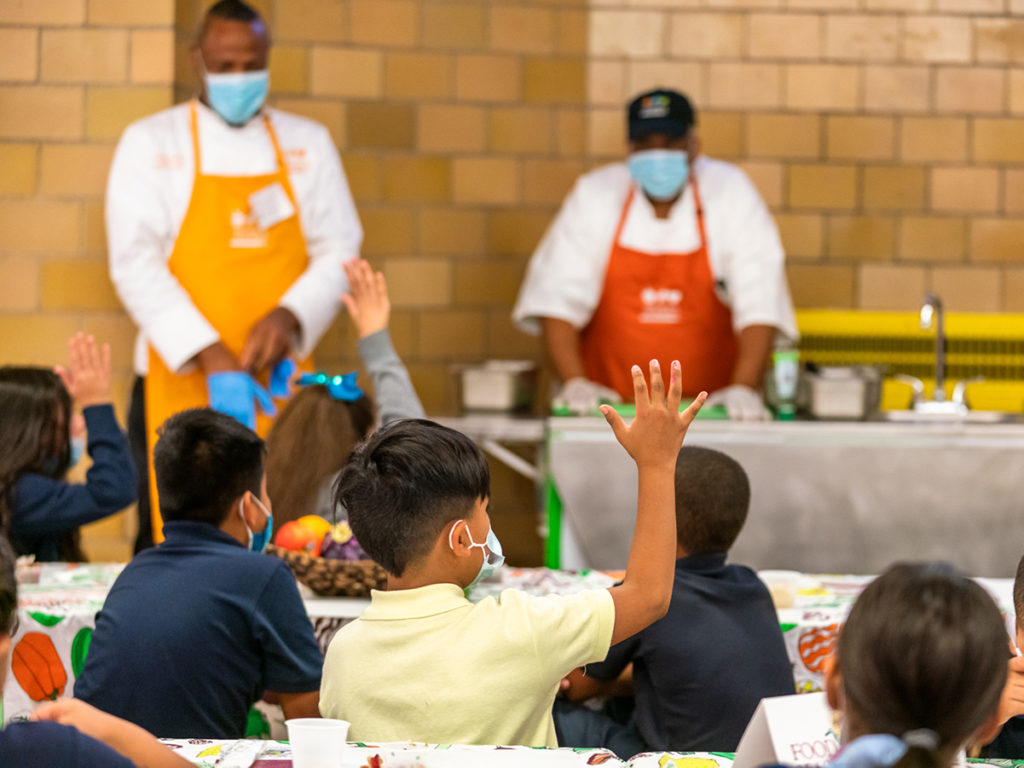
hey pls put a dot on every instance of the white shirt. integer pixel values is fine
(566, 274)
(148, 193)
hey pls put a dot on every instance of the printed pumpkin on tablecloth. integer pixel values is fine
(37, 667)
(816, 645)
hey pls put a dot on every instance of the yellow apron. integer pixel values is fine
(235, 273)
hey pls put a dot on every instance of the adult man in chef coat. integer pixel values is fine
(670, 255)
(227, 223)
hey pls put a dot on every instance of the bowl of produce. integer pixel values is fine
(327, 558)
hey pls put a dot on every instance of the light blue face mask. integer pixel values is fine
(661, 173)
(237, 96)
(77, 449)
(493, 557)
(258, 541)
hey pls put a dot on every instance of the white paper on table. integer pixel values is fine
(791, 730)
(218, 753)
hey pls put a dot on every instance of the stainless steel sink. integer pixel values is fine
(970, 417)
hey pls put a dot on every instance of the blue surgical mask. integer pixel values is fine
(493, 557)
(77, 449)
(661, 173)
(258, 541)
(237, 96)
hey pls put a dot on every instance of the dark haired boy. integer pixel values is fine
(422, 662)
(194, 631)
(698, 673)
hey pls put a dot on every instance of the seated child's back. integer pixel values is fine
(195, 630)
(422, 662)
(699, 673)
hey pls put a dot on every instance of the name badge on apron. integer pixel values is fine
(270, 205)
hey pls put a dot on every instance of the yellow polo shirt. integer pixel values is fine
(428, 665)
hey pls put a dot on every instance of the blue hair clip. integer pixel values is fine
(342, 387)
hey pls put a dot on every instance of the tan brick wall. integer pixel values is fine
(893, 124)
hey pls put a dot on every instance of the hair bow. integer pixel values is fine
(341, 387)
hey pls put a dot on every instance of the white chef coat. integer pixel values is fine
(148, 193)
(566, 274)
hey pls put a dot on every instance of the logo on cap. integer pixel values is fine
(654, 106)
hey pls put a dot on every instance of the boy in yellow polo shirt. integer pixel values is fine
(425, 664)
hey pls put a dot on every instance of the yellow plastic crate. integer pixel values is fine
(989, 345)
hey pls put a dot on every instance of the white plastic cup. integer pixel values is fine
(317, 742)
(783, 587)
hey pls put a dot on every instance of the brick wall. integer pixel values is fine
(884, 134)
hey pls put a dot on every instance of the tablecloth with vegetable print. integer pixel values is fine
(58, 605)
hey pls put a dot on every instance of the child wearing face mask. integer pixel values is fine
(42, 437)
(424, 663)
(195, 630)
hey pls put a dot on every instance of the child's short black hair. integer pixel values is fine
(712, 498)
(405, 484)
(204, 460)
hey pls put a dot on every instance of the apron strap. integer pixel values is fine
(278, 154)
(624, 214)
(700, 213)
(193, 121)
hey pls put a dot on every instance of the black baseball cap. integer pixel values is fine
(660, 111)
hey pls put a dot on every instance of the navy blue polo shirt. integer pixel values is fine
(699, 672)
(47, 744)
(193, 632)
(1009, 744)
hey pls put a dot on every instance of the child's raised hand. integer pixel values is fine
(657, 432)
(367, 298)
(87, 378)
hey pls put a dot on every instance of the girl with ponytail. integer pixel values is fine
(919, 668)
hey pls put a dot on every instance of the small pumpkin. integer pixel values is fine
(37, 667)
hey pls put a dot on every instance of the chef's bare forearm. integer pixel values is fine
(562, 345)
(217, 358)
(755, 349)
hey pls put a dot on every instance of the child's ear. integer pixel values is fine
(833, 684)
(254, 516)
(457, 538)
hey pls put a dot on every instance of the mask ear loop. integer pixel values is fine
(241, 514)
(451, 533)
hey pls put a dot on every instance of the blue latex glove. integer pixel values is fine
(236, 394)
(281, 376)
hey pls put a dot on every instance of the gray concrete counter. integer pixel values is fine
(826, 497)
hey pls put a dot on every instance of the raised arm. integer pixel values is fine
(370, 309)
(653, 441)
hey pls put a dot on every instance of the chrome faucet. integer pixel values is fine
(932, 315)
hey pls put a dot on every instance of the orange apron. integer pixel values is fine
(235, 273)
(663, 306)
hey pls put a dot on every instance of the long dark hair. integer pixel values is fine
(35, 415)
(8, 590)
(923, 648)
(309, 443)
